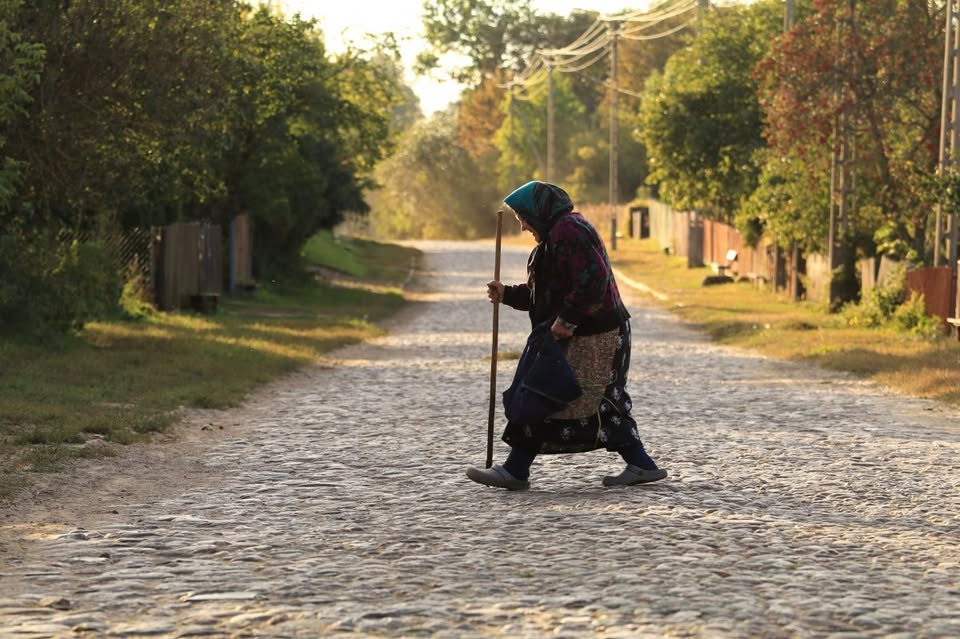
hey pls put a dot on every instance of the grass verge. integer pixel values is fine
(740, 314)
(119, 381)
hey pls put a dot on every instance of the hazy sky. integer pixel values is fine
(351, 19)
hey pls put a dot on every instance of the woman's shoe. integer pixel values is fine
(498, 477)
(634, 475)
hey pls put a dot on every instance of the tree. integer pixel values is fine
(153, 111)
(20, 64)
(496, 39)
(305, 133)
(522, 138)
(701, 119)
(489, 34)
(430, 187)
(128, 116)
(879, 63)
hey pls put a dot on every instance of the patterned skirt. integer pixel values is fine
(600, 418)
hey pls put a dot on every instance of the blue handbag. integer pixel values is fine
(544, 382)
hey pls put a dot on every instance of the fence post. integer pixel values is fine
(953, 323)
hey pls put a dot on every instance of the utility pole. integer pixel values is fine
(513, 147)
(949, 130)
(551, 135)
(841, 165)
(791, 286)
(614, 134)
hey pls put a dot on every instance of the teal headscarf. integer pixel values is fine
(539, 204)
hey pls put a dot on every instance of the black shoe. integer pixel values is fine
(498, 477)
(634, 475)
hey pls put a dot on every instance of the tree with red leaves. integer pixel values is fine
(880, 64)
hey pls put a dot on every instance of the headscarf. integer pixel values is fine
(539, 204)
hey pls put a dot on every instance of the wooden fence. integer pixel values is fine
(241, 253)
(877, 272)
(190, 265)
(683, 234)
(938, 285)
(708, 242)
(189, 259)
(817, 277)
(754, 262)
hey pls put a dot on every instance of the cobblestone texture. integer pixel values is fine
(799, 504)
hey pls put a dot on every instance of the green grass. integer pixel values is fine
(125, 380)
(358, 257)
(742, 315)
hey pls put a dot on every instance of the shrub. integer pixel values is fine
(878, 305)
(135, 297)
(912, 316)
(47, 285)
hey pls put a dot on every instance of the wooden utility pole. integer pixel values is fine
(949, 132)
(777, 257)
(841, 165)
(614, 134)
(513, 147)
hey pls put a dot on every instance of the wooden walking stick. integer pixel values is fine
(493, 355)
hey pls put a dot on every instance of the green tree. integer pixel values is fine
(701, 119)
(790, 203)
(522, 138)
(489, 34)
(20, 64)
(152, 111)
(130, 117)
(305, 134)
(430, 187)
(497, 39)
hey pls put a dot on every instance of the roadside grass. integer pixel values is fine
(359, 257)
(120, 381)
(740, 314)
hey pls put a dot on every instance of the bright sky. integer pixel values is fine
(351, 19)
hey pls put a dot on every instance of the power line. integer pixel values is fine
(662, 34)
(596, 41)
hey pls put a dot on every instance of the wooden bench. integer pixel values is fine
(719, 269)
(954, 323)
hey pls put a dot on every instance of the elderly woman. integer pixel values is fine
(570, 286)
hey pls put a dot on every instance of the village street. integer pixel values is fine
(800, 503)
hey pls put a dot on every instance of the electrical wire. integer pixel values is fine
(585, 36)
(635, 26)
(662, 34)
(590, 63)
(594, 47)
(595, 41)
(655, 15)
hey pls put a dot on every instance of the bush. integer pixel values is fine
(47, 285)
(912, 316)
(885, 305)
(135, 297)
(877, 306)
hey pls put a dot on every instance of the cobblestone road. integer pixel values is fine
(799, 504)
